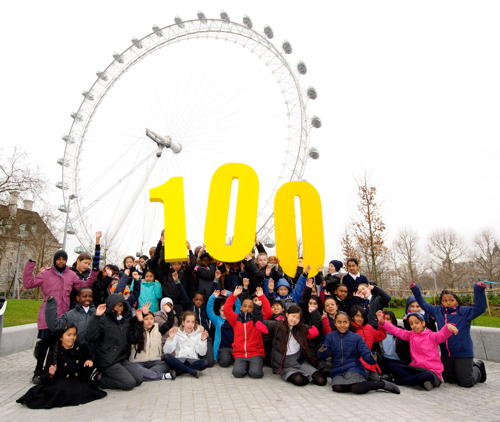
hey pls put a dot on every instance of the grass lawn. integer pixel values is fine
(25, 311)
(21, 311)
(483, 321)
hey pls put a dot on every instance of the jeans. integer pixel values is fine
(189, 366)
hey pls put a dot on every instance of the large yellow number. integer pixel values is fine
(218, 212)
(171, 195)
(312, 227)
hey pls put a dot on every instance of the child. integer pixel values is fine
(333, 276)
(79, 316)
(205, 274)
(147, 353)
(369, 334)
(165, 314)
(112, 333)
(278, 310)
(105, 279)
(353, 276)
(199, 308)
(372, 299)
(393, 348)
(328, 318)
(341, 296)
(457, 353)
(224, 335)
(290, 355)
(151, 291)
(425, 367)
(413, 307)
(346, 349)
(248, 347)
(283, 292)
(57, 281)
(65, 381)
(189, 344)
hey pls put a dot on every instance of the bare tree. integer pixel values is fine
(348, 248)
(18, 174)
(447, 250)
(369, 230)
(487, 256)
(405, 256)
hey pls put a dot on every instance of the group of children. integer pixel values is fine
(151, 320)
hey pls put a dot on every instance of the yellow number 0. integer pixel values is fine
(245, 222)
(286, 229)
(172, 192)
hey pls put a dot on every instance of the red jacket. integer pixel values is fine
(247, 339)
(370, 335)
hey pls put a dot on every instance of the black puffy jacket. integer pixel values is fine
(112, 337)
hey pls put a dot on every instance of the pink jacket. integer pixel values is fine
(424, 348)
(54, 284)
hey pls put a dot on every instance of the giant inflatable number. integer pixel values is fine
(245, 222)
(285, 227)
(171, 194)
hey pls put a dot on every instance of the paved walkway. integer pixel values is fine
(218, 396)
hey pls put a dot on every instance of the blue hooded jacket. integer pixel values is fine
(459, 346)
(293, 295)
(346, 349)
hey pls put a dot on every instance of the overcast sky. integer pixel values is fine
(407, 92)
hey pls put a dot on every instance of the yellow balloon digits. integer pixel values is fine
(171, 194)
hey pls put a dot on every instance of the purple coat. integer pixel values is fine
(54, 284)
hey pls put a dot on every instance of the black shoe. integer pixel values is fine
(37, 378)
(389, 386)
(173, 374)
(196, 374)
(428, 385)
(482, 369)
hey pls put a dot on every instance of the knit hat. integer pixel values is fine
(282, 282)
(60, 254)
(337, 264)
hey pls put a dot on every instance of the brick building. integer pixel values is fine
(23, 236)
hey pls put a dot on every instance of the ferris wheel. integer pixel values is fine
(181, 101)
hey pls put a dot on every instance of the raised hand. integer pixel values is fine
(162, 237)
(172, 332)
(310, 283)
(246, 282)
(248, 257)
(325, 315)
(224, 292)
(98, 236)
(452, 329)
(126, 272)
(188, 245)
(380, 316)
(100, 310)
(175, 276)
(259, 292)
(216, 293)
(204, 335)
(218, 274)
(52, 370)
(237, 291)
(145, 308)
(88, 364)
(307, 269)
(135, 275)
(481, 284)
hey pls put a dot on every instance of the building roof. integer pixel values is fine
(33, 224)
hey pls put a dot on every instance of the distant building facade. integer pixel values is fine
(23, 236)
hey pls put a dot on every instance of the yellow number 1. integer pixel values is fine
(312, 227)
(174, 216)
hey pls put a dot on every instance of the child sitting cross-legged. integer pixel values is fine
(425, 368)
(186, 346)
